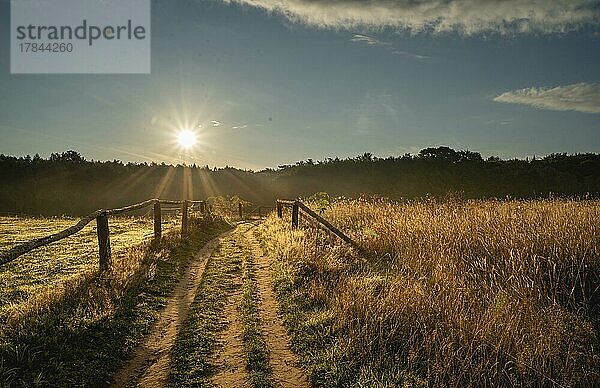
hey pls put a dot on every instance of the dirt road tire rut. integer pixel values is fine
(284, 363)
(151, 362)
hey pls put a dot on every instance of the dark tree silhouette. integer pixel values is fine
(66, 183)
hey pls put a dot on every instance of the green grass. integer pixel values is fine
(311, 324)
(199, 332)
(27, 281)
(84, 332)
(257, 357)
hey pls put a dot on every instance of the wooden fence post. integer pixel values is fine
(241, 214)
(157, 221)
(328, 225)
(103, 241)
(295, 215)
(279, 209)
(184, 217)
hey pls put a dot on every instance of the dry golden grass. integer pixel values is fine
(456, 293)
(227, 207)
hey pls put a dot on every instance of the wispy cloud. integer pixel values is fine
(240, 126)
(465, 16)
(215, 123)
(410, 55)
(368, 40)
(581, 97)
(371, 41)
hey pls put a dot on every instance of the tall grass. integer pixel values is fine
(227, 207)
(455, 293)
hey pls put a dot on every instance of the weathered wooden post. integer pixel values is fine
(240, 213)
(295, 215)
(157, 221)
(103, 241)
(184, 217)
(279, 209)
(203, 207)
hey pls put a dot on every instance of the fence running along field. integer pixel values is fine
(103, 231)
(297, 205)
(258, 210)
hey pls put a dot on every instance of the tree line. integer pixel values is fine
(67, 183)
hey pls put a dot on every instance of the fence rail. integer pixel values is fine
(297, 205)
(259, 210)
(101, 217)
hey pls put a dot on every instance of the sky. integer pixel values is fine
(265, 83)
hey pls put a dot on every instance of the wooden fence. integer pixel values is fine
(297, 205)
(260, 211)
(101, 217)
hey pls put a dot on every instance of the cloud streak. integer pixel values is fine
(463, 16)
(410, 55)
(580, 97)
(371, 41)
(357, 38)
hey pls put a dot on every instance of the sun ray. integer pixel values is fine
(242, 187)
(164, 182)
(188, 187)
(207, 183)
(127, 185)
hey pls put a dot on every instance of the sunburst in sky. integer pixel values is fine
(186, 138)
(273, 84)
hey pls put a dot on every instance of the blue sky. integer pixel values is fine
(268, 83)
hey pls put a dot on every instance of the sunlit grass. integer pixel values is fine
(456, 293)
(47, 269)
(77, 328)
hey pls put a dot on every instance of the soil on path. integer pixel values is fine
(151, 362)
(284, 363)
(230, 359)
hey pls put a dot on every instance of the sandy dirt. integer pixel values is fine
(230, 359)
(151, 362)
(286, 370)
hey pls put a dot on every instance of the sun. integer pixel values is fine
(186, 138)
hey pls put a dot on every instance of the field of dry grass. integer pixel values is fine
(458, 293)
(33, 277)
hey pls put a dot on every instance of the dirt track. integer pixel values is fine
(151, 362)
(150, 365)
(286, 371)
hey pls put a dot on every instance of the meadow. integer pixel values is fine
(29, 279)
(57, 300)
(450, 293)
